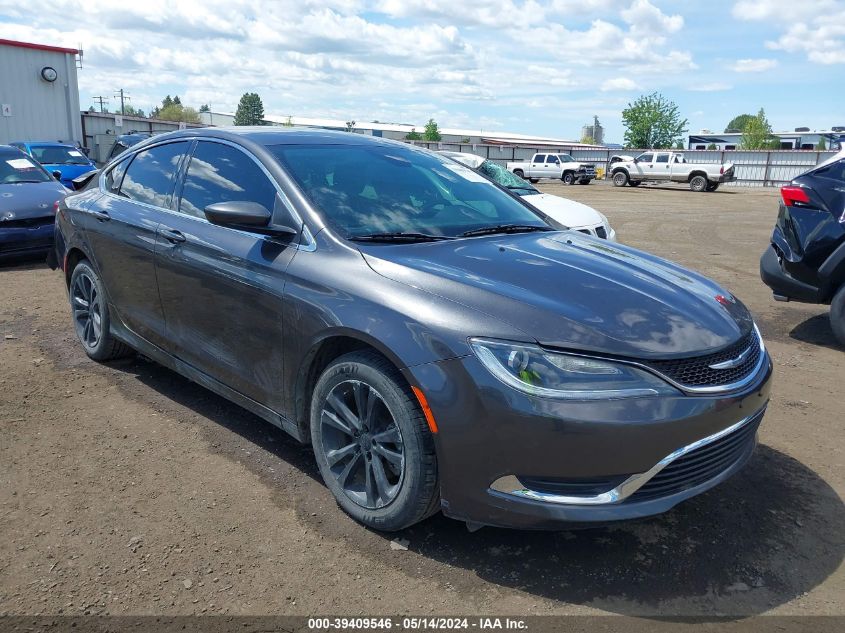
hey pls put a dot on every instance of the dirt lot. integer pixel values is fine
(127, 489)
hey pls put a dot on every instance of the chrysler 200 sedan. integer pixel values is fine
(439, 343)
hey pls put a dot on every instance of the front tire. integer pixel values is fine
(837, 315)
(698, 183)
(91, 317)
(568, 178)
(620, 179)
(372, 443)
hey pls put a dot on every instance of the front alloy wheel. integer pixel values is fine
(362, 444)
(372, 443)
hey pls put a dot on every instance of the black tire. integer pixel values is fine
(635, 183)
(90, 312)
(568, 178)
(698, 183)
(519, 173)
(712, 186)
(620, 178)
(409, 490)
(534, 180)
(837, 315)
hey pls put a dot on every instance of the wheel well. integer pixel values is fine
(316, 361)
(616, 170)
(73, 257)
(697, 173)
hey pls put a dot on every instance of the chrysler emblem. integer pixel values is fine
(733, 362)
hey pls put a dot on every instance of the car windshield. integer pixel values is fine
(566, 158)
(384, 189)
(505, 178)
(58, 155)
(16, 167)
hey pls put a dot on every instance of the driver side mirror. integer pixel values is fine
(57, 174)
(246, 216)
(636, 160)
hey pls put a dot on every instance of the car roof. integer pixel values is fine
(280, 135)
(10, 149)
(470, 160)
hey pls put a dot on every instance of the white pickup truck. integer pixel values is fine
(670, 167)
(558, 166)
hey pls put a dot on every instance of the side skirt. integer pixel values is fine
(141, 345)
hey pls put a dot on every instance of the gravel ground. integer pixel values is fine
(127, 489)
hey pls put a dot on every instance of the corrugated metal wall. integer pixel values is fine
(40, 110)
(755, 169)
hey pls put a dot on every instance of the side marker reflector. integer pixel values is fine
(429, 416)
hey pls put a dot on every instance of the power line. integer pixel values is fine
(101, 100)
(123, 96)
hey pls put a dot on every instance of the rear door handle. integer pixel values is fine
(102, 216)
(172, 235)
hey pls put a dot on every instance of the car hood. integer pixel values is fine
(571, 291)
(567, 212)
(29, 199)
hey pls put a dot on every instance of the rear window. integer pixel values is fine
(150, 176)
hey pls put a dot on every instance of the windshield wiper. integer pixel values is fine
(521, 187)
(506, 228)
(400, 237)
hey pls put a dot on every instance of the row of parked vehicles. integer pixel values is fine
(425, 322)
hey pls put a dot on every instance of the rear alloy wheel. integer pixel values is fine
(837, 315)
(372, 443)
(698, 183)
(568, 178)
(620, 179)
(91, 315)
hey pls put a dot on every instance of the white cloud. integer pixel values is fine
(754, 65)
(818, 30)
(647, 20)
(619, 83)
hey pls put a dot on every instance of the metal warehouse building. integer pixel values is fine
(39, 94)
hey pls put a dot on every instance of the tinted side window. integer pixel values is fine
(662, 158)
(646, 158)
(539, 158)
(115, 176)
(150, 176)
(553, 160)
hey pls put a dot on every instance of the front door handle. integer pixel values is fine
(102, 216)
(172, 235)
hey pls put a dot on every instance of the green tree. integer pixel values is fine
(413, 135)
(250, 110)
(712, 146)
(177, 100)
(738, 123)
(679, 145)
(167, 101)
(128, 110)
(205, 108)
(432, 132)
(821, 145)
(350, 125)
(757, 133)
(178, 112)
(588, 140)
(653, 122)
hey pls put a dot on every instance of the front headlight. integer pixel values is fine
(535, 371)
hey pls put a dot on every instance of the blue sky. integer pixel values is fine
(541, 67)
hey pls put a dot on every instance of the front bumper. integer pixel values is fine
(22, 241)
(493, 438)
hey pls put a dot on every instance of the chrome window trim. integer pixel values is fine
(307, 241)
(510, 484)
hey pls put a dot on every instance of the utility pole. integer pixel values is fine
(122, 96)
(101, 100)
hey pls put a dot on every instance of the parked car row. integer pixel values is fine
(669, 167)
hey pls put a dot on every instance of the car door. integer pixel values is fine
(643, 166)
(222, 288)
(661, 168)
(120, 227)
(552, 167)
(538, 166)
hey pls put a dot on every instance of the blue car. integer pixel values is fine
(62, 157)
